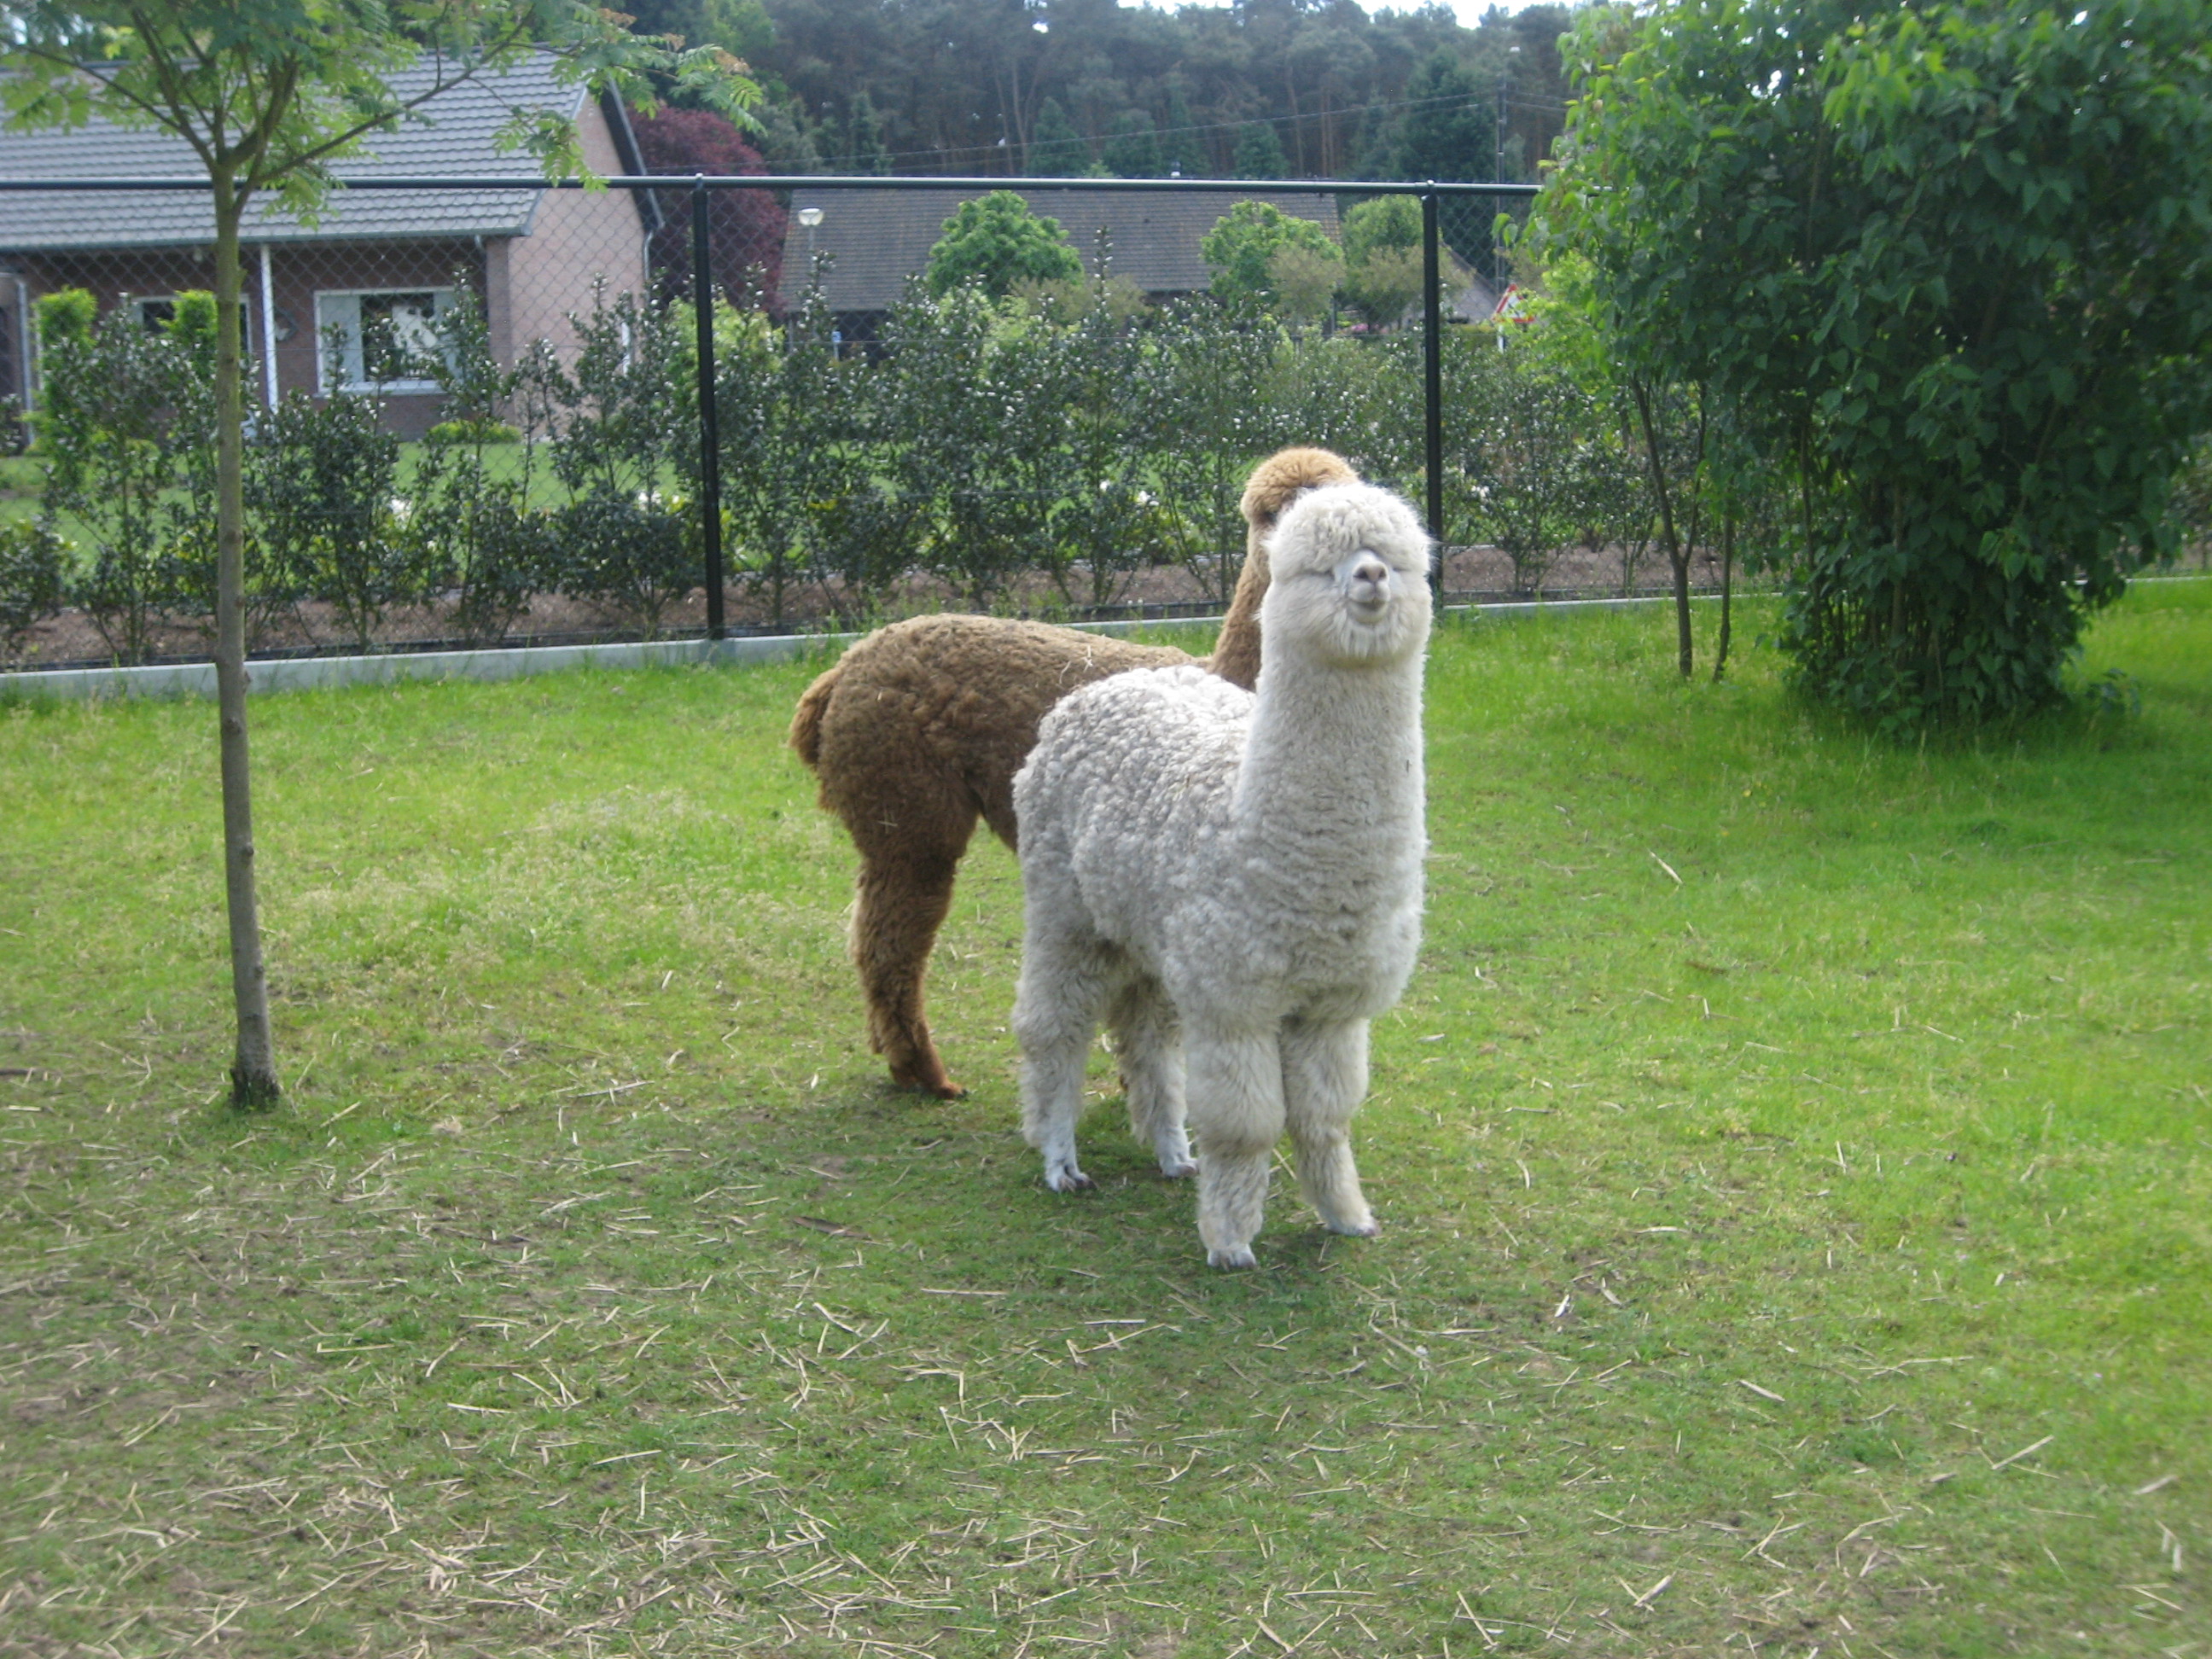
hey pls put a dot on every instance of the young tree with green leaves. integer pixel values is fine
(270, 94)
(997, 240)
(1246, 250)
(1951, 264)
(1383, 269)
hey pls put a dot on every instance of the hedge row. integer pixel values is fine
(1071, 437)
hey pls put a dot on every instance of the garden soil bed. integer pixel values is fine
(1472, 576)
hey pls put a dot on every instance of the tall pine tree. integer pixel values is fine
(1132, 149)
(1260, 152)
(1181, 148)
(1449, 132)
(865, 151)
(1058, 150)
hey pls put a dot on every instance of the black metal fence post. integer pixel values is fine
(1432, 364)
(710, 475)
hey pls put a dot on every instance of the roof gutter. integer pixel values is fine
(633, 160)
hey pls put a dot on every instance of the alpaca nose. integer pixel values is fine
(1370, 583)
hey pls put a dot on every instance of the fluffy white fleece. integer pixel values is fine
(1237, 876)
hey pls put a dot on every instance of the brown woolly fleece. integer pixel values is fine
(919, 730)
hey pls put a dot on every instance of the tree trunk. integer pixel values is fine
(1677, 557)
(1728, 591)
(253, 1082)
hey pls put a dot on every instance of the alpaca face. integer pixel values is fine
(1351, 577)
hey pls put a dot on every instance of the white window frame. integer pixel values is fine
(340, 308)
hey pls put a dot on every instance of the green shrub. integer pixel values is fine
(321, 485)
(628, 415)
(34, 567)
(123, 414)
(481, 544)
(935, 397)
(1524, 427)
(625, 558)
(1207, 416)
(191, 324)
(1944, 263)
(794, 421)
(68, 316)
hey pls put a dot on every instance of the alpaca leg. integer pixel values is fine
(902, 901)
(1237, 1107)
(1324, 1078)
(1149, 1049)
(1064, 986)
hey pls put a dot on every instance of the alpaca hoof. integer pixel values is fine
(928, 1081)
(1177, 1168)
(1067, 1179)
(1367, 1229)
(1240, 1256)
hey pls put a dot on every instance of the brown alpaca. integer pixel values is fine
(919, 730)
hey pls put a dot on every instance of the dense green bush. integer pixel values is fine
(1106, 525)
(628, 418)
(1207, 416)
(1384, 270)
(794, 421)
(122, 417)
(32, 580)
(1261, 255)
(630, 559)
(1521, 436)
(1944, 265)
(482, 543)
(322, 492)
(1066, 437)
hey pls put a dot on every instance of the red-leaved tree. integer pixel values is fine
(744, 228)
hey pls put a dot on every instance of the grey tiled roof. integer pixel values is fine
(455, 135)
(879, 236)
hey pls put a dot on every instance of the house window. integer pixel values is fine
(378, 339)
(155, 312)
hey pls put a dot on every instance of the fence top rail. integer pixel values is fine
(832, 181)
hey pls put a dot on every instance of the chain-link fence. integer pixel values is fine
(483, 410)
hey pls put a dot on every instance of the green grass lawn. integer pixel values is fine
(1795, 1160)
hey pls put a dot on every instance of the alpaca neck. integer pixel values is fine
(1341, 743)
(1236, 653)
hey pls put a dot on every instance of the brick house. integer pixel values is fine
(324, 301)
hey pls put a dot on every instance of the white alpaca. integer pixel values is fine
(1236, 876)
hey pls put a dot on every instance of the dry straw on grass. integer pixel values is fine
(590, 1297)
